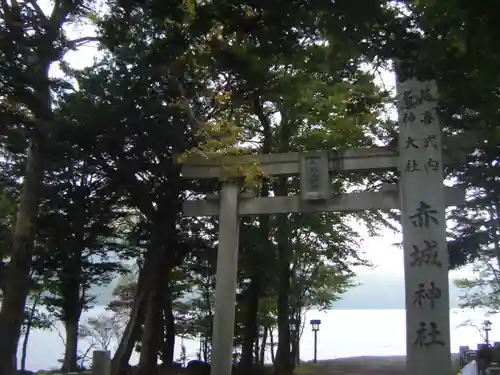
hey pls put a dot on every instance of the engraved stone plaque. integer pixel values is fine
(315, 184)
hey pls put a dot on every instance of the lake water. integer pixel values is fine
(343, 333)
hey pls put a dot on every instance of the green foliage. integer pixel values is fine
(37, 319)
(77, 235)
(483, 290)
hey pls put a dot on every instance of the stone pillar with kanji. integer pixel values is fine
(424, 228)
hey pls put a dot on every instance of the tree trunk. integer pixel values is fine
(73, 295)
(300, 330)
(294, 350)
(297, 352)
(206, 349)
(17, 276)
(209, 318)
(169, 326)
(262, 355)
(495, 234)
(71, 350)
(251, 332)
(251, 328)
(283, 355)
(132, 331)
(271, 342)
(24, 352)
(151, 337)
(256, 351)
(163, 245)
(29, 323)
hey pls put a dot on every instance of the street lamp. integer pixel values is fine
(487, 328)
(315, 328)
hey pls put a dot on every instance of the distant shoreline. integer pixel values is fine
(343, 334)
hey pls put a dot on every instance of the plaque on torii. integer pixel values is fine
(315, 169)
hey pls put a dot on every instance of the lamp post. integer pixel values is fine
(315, 328)
(487, 328)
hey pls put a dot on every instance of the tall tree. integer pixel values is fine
(77, 230)
(31, 41)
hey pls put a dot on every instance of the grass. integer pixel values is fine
(329, 367)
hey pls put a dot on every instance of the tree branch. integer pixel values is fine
(38, 11)
(469, 323)
(75, 43)
(12, 15)
(59, 13)
(59, 334)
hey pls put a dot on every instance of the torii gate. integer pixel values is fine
(422, 198)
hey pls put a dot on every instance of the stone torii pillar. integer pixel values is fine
(226, 280)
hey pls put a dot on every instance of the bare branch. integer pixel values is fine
(38, 10)
(59, 334)
(470, 323)
(102, 330)
(85, 356)
(76, 43)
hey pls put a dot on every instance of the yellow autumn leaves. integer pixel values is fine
(221, 142)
